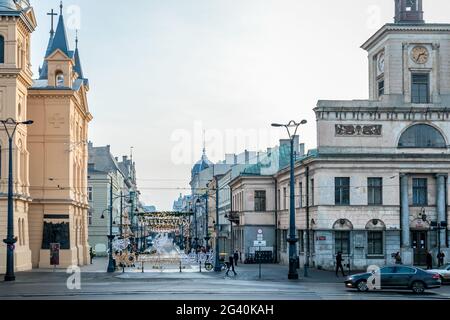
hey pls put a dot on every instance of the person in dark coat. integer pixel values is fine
(230, 265)
(429, 261)
(91, 254)
(236, 257)
(339, 264)
(441, 258)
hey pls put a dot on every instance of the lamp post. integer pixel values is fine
(207, 237)
(217, 267)
(195, 224)
(10, 239)
(293, 274)
(111, 267)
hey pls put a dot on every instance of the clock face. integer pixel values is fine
(381, 63)
(420, 55)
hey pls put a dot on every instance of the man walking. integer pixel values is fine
(230, 265)
(441, 258)
(236, 257)
(91, 254)
(339, 264)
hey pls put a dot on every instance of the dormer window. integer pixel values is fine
(59, 79)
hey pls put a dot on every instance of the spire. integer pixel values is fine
(60, 40)
(78, 69)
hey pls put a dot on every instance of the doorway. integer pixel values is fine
(420, 247)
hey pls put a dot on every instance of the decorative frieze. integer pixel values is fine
(358, 130)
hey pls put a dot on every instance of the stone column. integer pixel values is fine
(406, 241)
(440, 200)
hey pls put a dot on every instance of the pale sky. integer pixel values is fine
(162, 71)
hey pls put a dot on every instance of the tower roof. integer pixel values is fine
(60, 39)
(408, 11)
(202, 164)
(8, 5)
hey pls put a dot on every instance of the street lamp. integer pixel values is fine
(10, 239)
(293, 275)
(195, 222)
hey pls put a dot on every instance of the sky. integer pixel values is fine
(166, 73)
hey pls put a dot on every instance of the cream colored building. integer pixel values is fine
(50, 169)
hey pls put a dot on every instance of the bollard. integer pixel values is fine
(180, 267)
(142, 266)
(200, 265)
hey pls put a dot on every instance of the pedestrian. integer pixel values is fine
(230, 265)
(236, 257)
(91, 254)
(339, 264)
(398, 258)
(441, 258)
(429, 261)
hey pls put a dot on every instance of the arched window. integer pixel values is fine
(2, 49)
(59, 79)
(422, 136)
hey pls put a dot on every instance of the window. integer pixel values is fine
(420, 88)
(342, 191)
(90, 196)
(420, 192)
(2, 49)
(375, 243)
(284, 198)
(279, 199)
(90, 217)
(405, 270)
(387, 270)
(342, 242)
(59, 79)
(422, 136)
(284, 240)
(301, 241)
(380, 87)
(375, 191)
(300, 196)
(260, 201)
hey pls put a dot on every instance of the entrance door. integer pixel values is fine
(420, 246)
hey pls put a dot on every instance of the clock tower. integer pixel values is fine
(408, 59)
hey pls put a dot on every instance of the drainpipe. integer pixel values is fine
(276, 220)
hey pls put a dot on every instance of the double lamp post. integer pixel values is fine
(292, 240)
(10, 125)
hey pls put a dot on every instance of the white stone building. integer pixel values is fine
(378, 180)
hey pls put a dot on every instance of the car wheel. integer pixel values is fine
(362, 286)
(418, 287)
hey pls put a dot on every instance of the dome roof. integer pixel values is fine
(8, 5)
(202, 164)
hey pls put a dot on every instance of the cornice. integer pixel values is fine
(405, 28)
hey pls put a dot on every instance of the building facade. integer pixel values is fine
(378, 182)
(50, 156)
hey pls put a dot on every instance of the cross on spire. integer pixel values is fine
(76, 39)
(52, 14)
(61, 6)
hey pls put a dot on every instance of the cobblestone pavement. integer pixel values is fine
(190, 284)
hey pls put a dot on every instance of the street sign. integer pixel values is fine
(260, 243)
(259, 237)
(260, 231)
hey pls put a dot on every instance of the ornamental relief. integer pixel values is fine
(358, 130)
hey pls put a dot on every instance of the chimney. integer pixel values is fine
(302, 149)
(124, 158)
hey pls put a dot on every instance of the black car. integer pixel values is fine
(396, 277)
